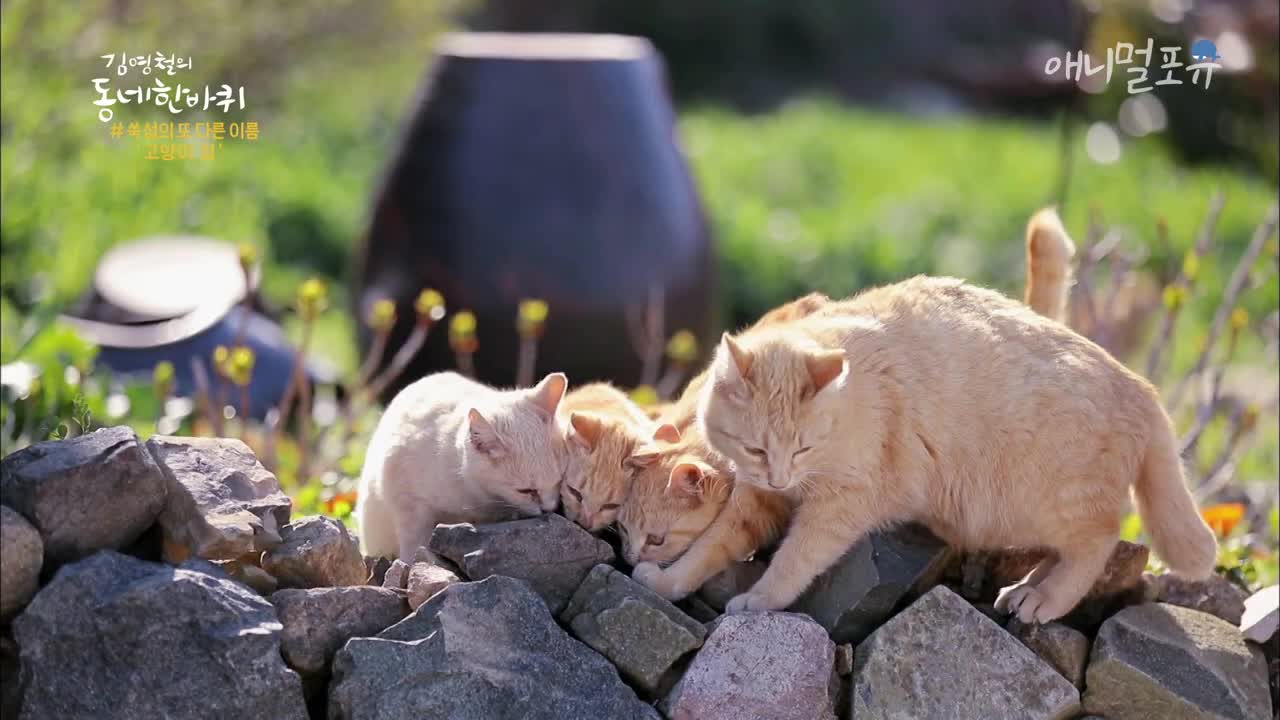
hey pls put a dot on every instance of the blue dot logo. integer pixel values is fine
(1204, 51)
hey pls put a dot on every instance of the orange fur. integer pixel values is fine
(604, 428)
(958, 408)
(1049, 254)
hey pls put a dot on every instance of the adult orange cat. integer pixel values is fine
(681, 501)
(936, 401)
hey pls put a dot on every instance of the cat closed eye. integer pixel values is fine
(576, 495)
(757, 452)
(802, 451)
(531, 492)
(610, 506)
(655, 540)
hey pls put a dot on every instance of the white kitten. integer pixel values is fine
(449, 449)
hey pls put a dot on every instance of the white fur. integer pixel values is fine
(433, 460)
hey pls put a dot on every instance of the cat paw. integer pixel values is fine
(1029, 602)
(652, 576)
(751, 602)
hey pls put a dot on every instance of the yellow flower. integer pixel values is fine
(682, 347)
(382, 316)
(313, 298)
(531, 317)
(1249, 418)
(1223, 518)
(462, 332)
(644, 396)
(248, 256)
(1190, 266)
(240, 365)
(1239, 319)
(429, 305)
(221, 356)
(1173, 297)
(162, 378)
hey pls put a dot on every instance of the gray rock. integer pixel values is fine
(549, 552)
(315, 552)
(426, 580)
(318, 621)
(1164, 662)
(732, 582)
(21, 555)
(397, 576)
(1261, 617)
(758, 666)
(941, 659)
(632, 626)
(697, 608)
(100, 490)
(1215, 595)
(872, 580)
(116, 637)
(1064, 648)
(484, 650)
(223, 504)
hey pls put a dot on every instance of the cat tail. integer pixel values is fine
(1049, 254)
(1168, 511)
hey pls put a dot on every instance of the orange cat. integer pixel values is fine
(756, 517)
(936, 401)
(604, 429)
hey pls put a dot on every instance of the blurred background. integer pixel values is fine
(831, 145)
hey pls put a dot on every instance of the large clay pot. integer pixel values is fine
(541, 166)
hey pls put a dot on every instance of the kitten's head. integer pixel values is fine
(673, 498)
(515, 449)
(598, 472)
(765, 408)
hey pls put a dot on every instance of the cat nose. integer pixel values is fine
(586, 520)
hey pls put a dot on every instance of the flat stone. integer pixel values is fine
(549, 552)
(941, 659)
(426, 580)
(100, 490)
(21, 555)
(1064, 648)
(872, 580)
(732, 582)
(485, 650)
(774, 666)
(636, 629)
(318, 621)
(1261, 617)
(1215, 595)
(1164, 662)
(315, 552)
(114, 637)
(222, 503)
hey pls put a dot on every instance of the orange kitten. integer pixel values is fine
(604, 428)
(936, 401)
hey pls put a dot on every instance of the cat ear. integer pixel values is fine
(667, 432)
(642, 457)
(546, 395)
(739, 359)
(824, 366)
(483, 437)
(586, 430)
(686, 478)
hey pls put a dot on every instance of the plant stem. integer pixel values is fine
(1169, 318)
